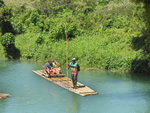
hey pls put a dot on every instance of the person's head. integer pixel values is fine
(73, 60)
(54, 60)
(49, 61)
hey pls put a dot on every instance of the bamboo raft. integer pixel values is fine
(66, 83)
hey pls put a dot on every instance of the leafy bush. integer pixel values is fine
(5, 13)
(120, 22)
(1, 3)
(19, 28)
(34, 17)
(7, 40)
(8, 43)
(39, 39)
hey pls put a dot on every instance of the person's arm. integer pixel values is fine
(58, 64)
(51, 65)
(46, 66)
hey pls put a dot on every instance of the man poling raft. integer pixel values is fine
(75, 68)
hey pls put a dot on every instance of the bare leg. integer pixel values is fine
(75, 80)
(48, 72)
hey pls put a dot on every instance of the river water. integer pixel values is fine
(30, 93)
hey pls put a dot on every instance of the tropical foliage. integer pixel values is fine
(105, 34)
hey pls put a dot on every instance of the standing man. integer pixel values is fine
(73, 65)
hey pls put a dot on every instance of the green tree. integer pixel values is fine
(8, 42)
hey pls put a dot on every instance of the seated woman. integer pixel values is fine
(57, 67)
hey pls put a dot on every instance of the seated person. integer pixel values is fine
(57, 67)
(49, 68)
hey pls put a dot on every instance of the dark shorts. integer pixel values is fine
(74, 78)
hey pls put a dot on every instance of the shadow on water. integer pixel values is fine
(137, 77)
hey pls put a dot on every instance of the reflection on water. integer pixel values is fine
(74, 104)
(118, 92)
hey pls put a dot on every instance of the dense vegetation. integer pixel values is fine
(105, 34)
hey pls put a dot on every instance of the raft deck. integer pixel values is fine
(66, 83)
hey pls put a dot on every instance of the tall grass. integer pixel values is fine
(2, 55)
(105, 50)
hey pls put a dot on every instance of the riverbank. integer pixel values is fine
(2, 95)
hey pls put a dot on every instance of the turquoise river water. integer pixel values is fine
(30, 93)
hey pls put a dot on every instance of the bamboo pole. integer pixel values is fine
(66, 49)
(87, 48)
(67, 62)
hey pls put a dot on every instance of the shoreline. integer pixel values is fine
(82, 68)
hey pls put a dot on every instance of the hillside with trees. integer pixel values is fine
(104, 34)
